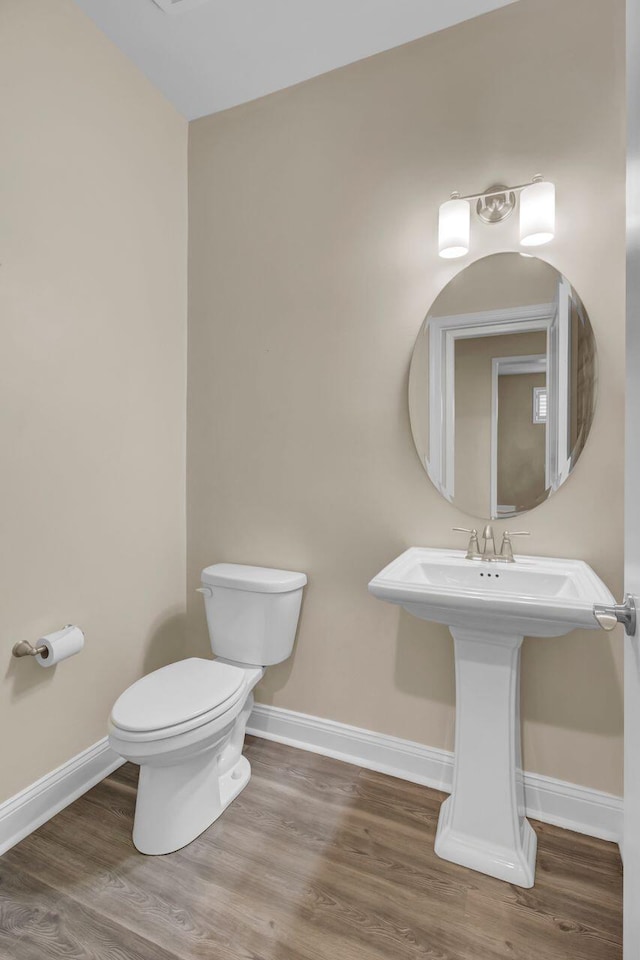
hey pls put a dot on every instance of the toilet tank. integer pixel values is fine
(252, 612)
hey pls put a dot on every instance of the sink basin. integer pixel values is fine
(490, 608)
(535, 596)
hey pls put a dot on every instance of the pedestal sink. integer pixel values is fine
(489, 609)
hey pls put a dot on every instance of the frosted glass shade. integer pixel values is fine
(453, 228)
(537, 213)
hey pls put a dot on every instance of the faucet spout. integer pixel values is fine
(489, 545)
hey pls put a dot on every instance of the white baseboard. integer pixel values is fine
(564, 804)
(30, 808)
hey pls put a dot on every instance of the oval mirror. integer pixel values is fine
(502, 385)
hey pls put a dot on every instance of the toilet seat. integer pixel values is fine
(177, 698)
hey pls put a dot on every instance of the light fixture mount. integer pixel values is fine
(537, 201)
(497, 203)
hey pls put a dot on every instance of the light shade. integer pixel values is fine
(454, 228)
(537, 213)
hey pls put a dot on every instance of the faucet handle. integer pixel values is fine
(473, 549)
(506, 550)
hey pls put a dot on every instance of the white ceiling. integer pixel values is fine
(219, 53)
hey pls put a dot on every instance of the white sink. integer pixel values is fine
(490, 608)
(535, 596)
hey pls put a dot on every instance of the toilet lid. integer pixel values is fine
(176, 693)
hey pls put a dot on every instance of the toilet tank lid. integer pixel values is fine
(238, 576)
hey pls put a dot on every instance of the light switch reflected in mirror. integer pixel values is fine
(502, 385)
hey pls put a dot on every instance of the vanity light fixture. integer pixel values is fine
(537, 214)
(454, 227)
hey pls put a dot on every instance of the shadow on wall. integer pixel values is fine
(275, 679)
(425, 667)
(167, 642)
(424, 660)
(573, 702)
(24, 677)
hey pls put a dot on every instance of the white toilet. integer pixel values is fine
(184, 724)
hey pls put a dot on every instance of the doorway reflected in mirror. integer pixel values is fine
(502, 385)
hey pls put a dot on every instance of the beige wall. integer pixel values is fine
(313, 262)
(522, 446)
(92, 378)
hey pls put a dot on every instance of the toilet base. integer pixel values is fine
(234, 781)
(179, 802)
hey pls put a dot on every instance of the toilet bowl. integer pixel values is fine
(184, 724)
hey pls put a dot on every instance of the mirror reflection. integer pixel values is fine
(502, 385)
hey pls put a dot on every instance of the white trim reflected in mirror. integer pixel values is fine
(443, 333)
(503, 295)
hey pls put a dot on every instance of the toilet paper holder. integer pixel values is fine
(24, 648)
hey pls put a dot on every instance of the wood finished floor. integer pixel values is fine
(315, 860)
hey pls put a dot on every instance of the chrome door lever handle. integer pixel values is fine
(609, 615)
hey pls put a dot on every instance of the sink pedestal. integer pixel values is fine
(489, 608)
(482, 824)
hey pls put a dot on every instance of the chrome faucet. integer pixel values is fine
(489, 543)
(506, 550)
(488, 552)
(473, 549)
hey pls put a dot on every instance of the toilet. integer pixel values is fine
(184, 724)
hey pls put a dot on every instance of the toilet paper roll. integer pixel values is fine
(60, 645)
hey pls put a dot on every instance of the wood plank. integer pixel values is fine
(38, 922)
(315, 860)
